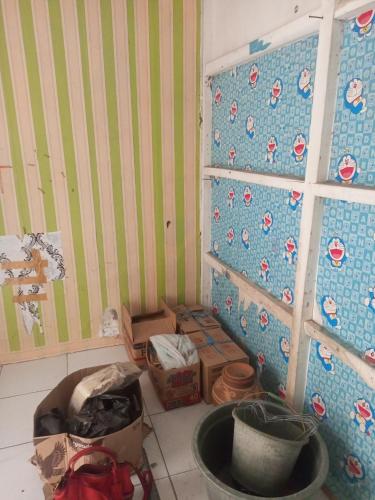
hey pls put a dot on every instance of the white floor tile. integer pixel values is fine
(155, 458)
(190, 486)
(19, 478)
(16, 418)
(174, 430)
(165, 489)
(95, 357)
(163, 486)
(32, 376)
(153, 404)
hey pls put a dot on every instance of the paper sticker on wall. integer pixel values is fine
(110, 324)
(28, 263)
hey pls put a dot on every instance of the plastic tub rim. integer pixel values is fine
(203, 469)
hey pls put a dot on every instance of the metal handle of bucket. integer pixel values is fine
(294, 413)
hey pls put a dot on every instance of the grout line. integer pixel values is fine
(183, 472)
(14, 445)
(173, 488)
(26, 393)
(160, 448)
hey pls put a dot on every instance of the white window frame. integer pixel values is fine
(327, 22)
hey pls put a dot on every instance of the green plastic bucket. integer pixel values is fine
(212, 449)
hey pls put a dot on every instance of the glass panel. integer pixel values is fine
(353, 147)
(258, 332)
(261, 111)
(346, 277)
(345, 407)
(255, 229)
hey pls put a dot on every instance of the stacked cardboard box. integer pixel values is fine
(193, 318)
(138, 329)
(215, 350)
(175, 387)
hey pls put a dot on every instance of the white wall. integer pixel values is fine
(228, 24)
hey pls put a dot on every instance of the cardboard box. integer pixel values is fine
(215, 350)
(177, 387)
(193, 318)
(138, 329)
(52, 453)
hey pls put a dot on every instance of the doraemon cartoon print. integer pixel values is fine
(284, 348)
(233, 111)
(353, 98)
(215, 276)
(215, 309)
(253, 75)
(363, 24)
(304, 86)
(336, 252)
(263, 320)
(230, 236)
(347, 170)
(329, 310)
(294, 199)
(299, 150)
(325, 357)
(271, 149)
(267, 221)
(215, 248)
(216, 214)
(247, 196)
(281, 391)
(369, 356)
(275, 94)
(230, 197)
(218, 96)
(261, 361)
(229, 304)
(243, 325)
(318, 405)
(217, 138)
(290, 250)
(231, 156)
(353, 468)
(245, 238)
(250, 127)
(363, 415)
(287, 296)
(370, 300)
(264, 271)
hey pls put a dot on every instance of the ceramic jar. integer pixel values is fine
(237, 381)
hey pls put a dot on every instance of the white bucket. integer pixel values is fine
(264, 453)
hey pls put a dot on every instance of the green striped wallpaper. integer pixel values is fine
(97, 123)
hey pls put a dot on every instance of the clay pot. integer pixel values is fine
(237, 381)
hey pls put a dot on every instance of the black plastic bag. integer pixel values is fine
(50, 423)
(105, 414)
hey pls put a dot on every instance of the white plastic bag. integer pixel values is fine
(174, 351)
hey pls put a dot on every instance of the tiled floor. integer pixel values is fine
(168, 446)
(24, 385)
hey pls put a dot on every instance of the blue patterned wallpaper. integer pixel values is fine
(346, 276)
(262, 111)
(257, 331)
(345, 407)
(353, 147)
(258, 110)
(255, 229)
